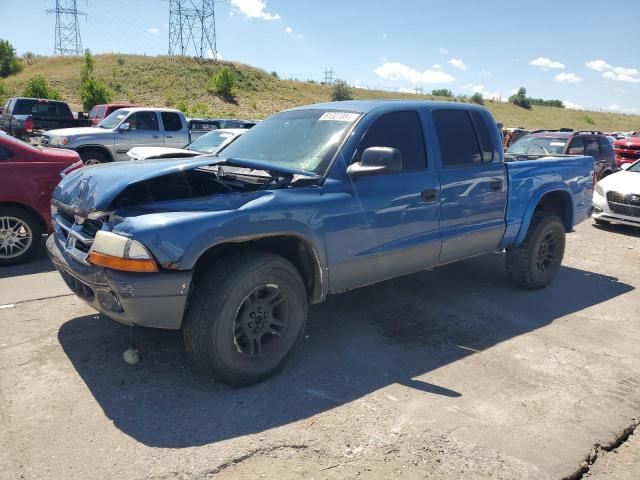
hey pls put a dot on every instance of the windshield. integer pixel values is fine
(113, 120)
(210, 142)
(302, 139)
(538, 145)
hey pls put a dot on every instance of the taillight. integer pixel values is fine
(28, 125)
(74, 166)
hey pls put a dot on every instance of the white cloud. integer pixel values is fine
(399, 71)
(571, 105)
(436, 66)
(567, 78)
(458, 63)
(443, 51)
(598, 65)
(253, 9)
(483, 91)
(621, 77)
(621, 109)
(546, 63)
(153, 31)
(210, 55)
(289, 31)
(486, 73)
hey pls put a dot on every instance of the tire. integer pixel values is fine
(93, 157)
(20, 235)
(224, 331)
(535, 263)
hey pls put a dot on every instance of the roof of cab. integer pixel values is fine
(366, 106)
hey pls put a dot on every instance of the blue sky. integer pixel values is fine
(585, 53)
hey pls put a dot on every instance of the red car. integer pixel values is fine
(627, 149)
(28, 176)
(100, 112)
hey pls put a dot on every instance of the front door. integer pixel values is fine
(144, 131)
(473, 184)
(388, 223)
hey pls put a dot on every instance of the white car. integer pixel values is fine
(617, 197)
(209, 143)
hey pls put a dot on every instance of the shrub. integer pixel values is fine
(274, 74)
(37, 87)
(94, 92)
(477, 98)
(341, 91)
(88, 65)
(200, 109)
(589, 120)
(120, 61)
(182, 106)
(169, 99)
(9, 62)
(442, 92)
(223, 83)
(3, 91)
(520, 99)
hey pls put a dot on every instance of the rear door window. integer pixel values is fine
(605, 146)
(488, 148)
(459, 146)
(171, 121)
(591, 147)
(400, 130)
(577, 146)
(101, 112)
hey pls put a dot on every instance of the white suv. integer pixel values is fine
(617, 197)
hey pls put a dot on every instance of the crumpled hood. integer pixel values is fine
(72, 132)
(92, 189)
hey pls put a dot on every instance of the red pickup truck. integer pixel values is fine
(627, 149)
(28, 175)
(102, 111)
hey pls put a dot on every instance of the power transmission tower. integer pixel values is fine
(192, 28)
(328, 76)
(68, 40)
(418, 91)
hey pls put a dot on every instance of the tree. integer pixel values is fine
(477, 98)
(3, 91)
(9, 62)
(520, 99)
(37, 87)
(442, 92)
(223, 83)
(341, 91)
(93, 92)
(88, 65)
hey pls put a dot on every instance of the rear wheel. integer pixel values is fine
(20, 235)
(246, 314)
(93, 157)
(535, 263)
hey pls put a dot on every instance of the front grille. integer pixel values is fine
(79, 288)
(78, 236)
(622, 204)
(628, 147)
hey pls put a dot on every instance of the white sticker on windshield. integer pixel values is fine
(557, 144)
(339, 116)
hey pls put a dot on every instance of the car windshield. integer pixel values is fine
(113, 120)
(300, 139)
(538, 145)
(209, 142)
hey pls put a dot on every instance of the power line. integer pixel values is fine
(192, 28)
(67, 30)
(328, 76)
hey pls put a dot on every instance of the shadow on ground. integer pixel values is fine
(356, 343)
(38, 264)
(620, 229)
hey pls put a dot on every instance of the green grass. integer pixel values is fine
(166, 81)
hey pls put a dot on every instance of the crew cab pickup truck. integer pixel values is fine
(231, 248)
(122, 130)
(24, 118)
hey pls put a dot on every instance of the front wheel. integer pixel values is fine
(20, 235)
(93, 157)
(246, 314)
(535, 263)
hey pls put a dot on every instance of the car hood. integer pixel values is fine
(623, 142)
(623, 182)
(142, 153)
(72, 132)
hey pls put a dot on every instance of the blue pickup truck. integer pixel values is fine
(313, 201)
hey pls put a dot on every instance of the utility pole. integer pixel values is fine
(192, 28)
(328, 76)
(418, 91)
(67, 33)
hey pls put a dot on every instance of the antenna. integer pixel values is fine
(192, 28)
(68, 40)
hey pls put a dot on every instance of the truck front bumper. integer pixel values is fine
(147, 299)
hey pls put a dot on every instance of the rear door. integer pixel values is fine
(174, 130)
(144, 131)
(473, 184)
(388, 223)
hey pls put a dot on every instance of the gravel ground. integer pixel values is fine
(447, 374)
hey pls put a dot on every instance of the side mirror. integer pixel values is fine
(576, 151)
(624, 166)
(377, 160)
(125, 127)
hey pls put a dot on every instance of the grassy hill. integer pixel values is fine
(168, 81)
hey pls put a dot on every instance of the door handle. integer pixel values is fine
(496, 185)
(156, 136)
(429, 196)
(168, 136)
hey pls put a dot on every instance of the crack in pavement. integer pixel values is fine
(598, 448)
(20, 302)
